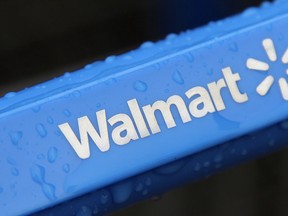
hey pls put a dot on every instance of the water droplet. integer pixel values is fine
(177, 77)
(57, 133)
(15, 172)
(157, 66)
(67, 113)
(52, 154)
(84, 211)
(36, 109)
(146, 45)
(197, 167)
(15, 137)
(224, 123)
(77, 94)
(66, 168)
(40, 156)
(189, 57)
(50, 120)
(211, 24)
(170, 168)
(88, 66)
(110, 81)
(209, 46)
(140, 86)
(110, 59)
(10, 95)
(105, 196)
(284, 125)
(67, 74)
(210, 72)
(234, 47)
(265, 4)
(249, 12)
(121, 191)
(41, 130)
(11, 161)
(38, 176)
(49, 191)
(171, 36)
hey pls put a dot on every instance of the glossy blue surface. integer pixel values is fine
(155, 182)
(39, 168)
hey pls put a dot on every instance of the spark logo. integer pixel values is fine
(264, 87)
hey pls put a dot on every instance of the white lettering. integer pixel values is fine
(231, 80)
(164, 108)
(138, 118)
(86, 128)
(215, 91)
(126, 126)
(202, 102)
(204, 99)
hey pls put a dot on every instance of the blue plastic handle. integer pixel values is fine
(174, 102)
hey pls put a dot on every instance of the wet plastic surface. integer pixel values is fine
(41, 168)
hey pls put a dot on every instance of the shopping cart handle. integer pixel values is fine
(138, 124)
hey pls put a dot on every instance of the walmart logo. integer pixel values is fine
(140, 121)
(264, 87)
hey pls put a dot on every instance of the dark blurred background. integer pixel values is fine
(43, 39)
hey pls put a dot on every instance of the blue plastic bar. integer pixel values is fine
(138, 124)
